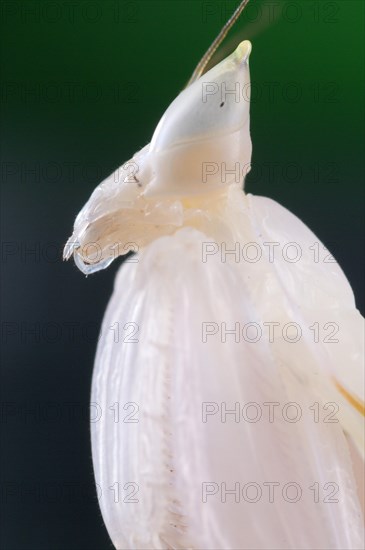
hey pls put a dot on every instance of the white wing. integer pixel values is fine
(181, 468)
(319, 296)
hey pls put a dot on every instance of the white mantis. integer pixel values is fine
(223, 441)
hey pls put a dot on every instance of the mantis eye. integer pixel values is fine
(204, 133)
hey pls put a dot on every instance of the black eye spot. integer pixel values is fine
(221, 105)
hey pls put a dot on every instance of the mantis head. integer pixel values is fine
(200, 148)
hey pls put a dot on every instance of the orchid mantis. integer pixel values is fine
(223, 442)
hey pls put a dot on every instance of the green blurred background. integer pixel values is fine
(84, 84)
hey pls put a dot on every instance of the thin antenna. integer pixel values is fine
(217, 42)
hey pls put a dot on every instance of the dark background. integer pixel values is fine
(84, 84)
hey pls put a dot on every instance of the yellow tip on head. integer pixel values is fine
(243, 51)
